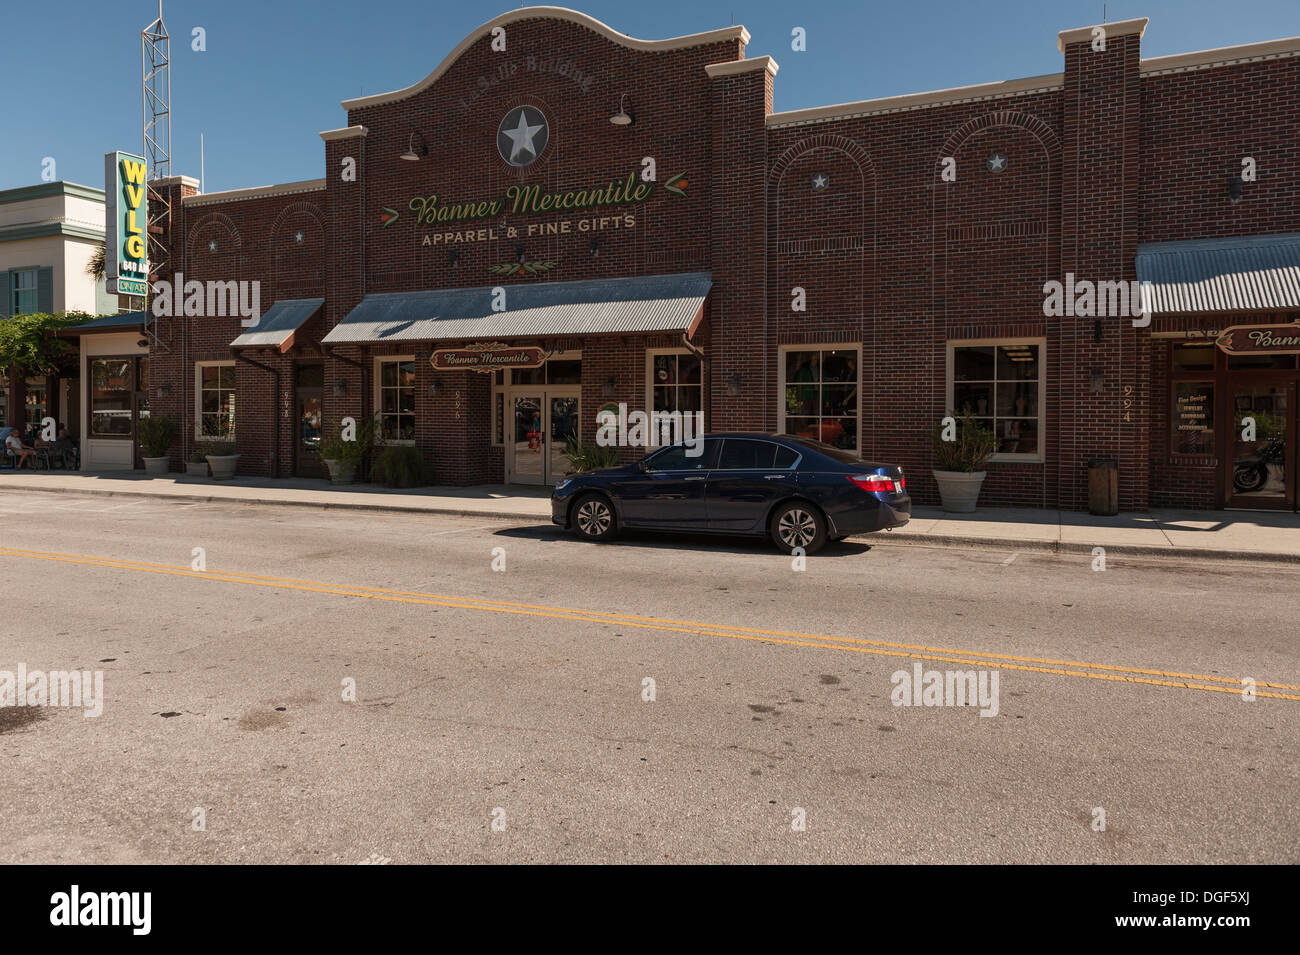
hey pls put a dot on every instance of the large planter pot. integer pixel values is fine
(196, 468)
(959, 490)
(341, 472)
(223, 466)
(155, 466)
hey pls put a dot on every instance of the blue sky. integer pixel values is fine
(275, 71)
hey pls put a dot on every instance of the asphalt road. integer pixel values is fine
(517, 696)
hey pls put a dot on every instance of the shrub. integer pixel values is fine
(974, 444)
(589, 457)
(354, 452)
(402, 466)
(157, 433)
(199, 455)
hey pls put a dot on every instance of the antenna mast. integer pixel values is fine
(156, 104)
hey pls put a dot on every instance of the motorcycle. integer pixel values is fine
(1250, 474)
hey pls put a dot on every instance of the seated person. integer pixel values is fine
(64, 448)
(15, 444)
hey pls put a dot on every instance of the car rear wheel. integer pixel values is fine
(593, 518)
(798, 525)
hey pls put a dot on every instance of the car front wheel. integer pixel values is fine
(798, 525)
(593, 518)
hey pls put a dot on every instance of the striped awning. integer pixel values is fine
(276, 328)
(652, 303)
(1249, 273)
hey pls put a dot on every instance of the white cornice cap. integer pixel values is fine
(347, 132)
(732, 67)
(736, 32)
(257, 192)
(1118, 28)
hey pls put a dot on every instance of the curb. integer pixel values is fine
(276, 502)
(882, 538)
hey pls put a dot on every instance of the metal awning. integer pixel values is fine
(652, 303)
(122, 322)
(276, 328)
(1249, 273)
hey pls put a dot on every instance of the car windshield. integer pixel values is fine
(828, 450)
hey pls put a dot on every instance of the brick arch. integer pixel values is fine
(1004, 118)
(205, 224)
(844, 144)
(310, 208)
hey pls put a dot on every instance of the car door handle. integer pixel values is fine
(773, 477)
(700, 477)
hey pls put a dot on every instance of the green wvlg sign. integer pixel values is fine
(126, 215)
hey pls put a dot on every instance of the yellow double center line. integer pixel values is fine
(1070, 668)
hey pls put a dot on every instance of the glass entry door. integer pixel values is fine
(542, 419)
(308, 403)
(1260, 471)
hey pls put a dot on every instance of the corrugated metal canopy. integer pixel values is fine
(1222, 275)
(275, 329)
(652, 303)
(122, 322)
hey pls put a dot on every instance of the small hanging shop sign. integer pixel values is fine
(1260, 340)
(487, 356)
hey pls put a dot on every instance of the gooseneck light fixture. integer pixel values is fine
(413, 153)
(622, 117)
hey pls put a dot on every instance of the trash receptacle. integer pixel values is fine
(1103, 486)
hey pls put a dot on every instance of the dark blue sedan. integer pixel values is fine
(798, 491)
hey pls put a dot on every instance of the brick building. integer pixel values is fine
(617, 220)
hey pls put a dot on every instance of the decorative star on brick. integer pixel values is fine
(212, 245)
(997, 162)
(820, 181)
(298, 237)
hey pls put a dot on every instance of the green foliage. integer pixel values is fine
(334, 448)
(974, 444)
(401, 465)
(31, 345)
(589, 457)
(199, 455)
(157, 433)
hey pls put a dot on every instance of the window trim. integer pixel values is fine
(379, 398)
(1005, 457)
(780, 383)
(11, 306)
(88, 425)
(199, 436)
(649, 393)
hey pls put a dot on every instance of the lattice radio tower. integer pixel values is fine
(156, 104)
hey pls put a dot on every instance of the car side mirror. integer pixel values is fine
(643, 465)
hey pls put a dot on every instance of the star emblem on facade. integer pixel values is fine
(212, 245)
(820, 181)
(997, 162)
(522, 135)
(298, 237)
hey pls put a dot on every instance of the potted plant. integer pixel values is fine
(196, 465)
(156, 433)
(221, 463)
(343, 456)
(959, 462)
(589, 457)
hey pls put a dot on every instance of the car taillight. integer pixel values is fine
(873, 482)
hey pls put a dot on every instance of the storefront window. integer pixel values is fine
(23, 298)
(111, 387)
(1198, 356)
(397, 400)
(676, 383)
(37, 402)
(999, 386)
(1193, 418)
(217, 401)
(821, 395)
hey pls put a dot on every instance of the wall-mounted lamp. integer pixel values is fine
(340, 387)
(1234, 189)
(165, 388)
(519, 253)
(595, 246)
(435, 388)
(733, 385)
(413, 152)
(452, 256)
(1096, 380)
(1096, 330)
(142, 343)
(610, 387)
(622, 117)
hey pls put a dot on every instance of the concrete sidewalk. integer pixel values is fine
(1233, 535)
